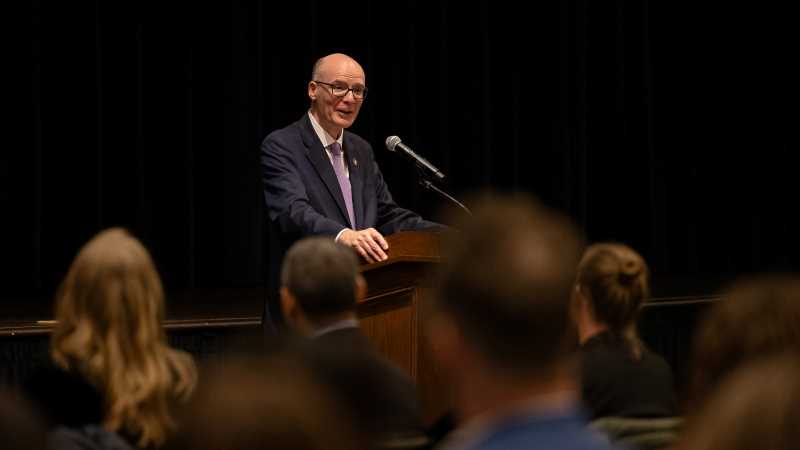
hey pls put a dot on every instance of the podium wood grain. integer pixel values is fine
(392, 314)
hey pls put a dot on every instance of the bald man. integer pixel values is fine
(320, 179)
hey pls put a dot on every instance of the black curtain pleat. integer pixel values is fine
(667, 126)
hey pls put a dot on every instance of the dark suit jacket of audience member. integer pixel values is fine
(381, 396)
(303, 197)
(615, 384)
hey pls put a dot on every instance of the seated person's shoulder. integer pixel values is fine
(64, 398)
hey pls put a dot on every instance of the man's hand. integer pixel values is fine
(367, 243)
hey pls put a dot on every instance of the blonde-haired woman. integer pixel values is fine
(109, 313)
(620, 377)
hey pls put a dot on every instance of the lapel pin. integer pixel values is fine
(355, 162)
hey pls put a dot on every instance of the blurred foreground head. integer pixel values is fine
(755, 318)
(20, 428)
(754, 407)
(253, 404)
(505, 284)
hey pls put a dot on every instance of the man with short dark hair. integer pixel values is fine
(501, 331)
(321, 286)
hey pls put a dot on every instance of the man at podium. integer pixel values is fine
(320, 179)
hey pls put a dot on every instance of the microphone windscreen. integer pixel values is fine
(391, 142)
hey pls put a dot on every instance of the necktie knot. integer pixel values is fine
(336, 149)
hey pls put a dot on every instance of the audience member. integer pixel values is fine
(321, 286)
(501, 331)
(249, 404)
(620, 376)
(755, 318)
(113, 369)
(755, 407)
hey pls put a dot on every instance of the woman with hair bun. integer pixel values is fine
(620, 377)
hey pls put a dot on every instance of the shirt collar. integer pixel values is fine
(340, 325)
(477, 429)
(323, 135)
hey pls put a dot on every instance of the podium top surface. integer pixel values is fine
(410, 246)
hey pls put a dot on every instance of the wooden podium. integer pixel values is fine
(391, 315)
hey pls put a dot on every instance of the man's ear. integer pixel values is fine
(583, 302)
(312, 90)
(361, 288)
(582, 312)
(291, 310)
(576, 302)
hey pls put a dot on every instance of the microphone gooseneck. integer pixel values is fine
(393, 143)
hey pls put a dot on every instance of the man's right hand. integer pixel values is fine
(368, 243)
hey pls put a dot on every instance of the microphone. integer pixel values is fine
(393, 143)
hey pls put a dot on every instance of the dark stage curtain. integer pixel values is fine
(664, 125)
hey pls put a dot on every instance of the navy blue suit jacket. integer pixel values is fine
(303, 197)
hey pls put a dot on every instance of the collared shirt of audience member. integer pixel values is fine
(500, 330)
(321, 286)
(620, 376)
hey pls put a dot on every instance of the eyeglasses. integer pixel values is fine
(341, 90)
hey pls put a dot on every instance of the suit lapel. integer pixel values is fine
(319, 159)
(355, 166)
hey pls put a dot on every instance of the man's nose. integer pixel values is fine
(350, 94)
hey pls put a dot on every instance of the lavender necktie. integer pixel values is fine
(344, 182)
